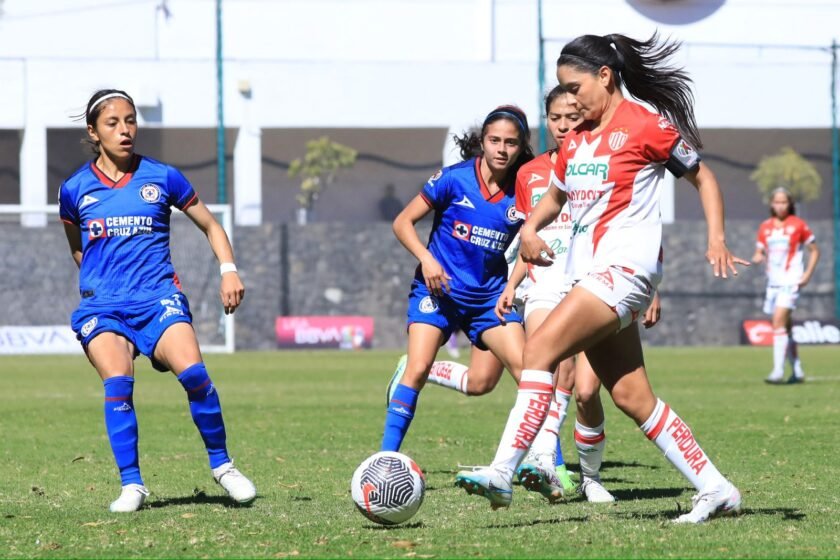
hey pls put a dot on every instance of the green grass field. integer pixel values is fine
(299, 423)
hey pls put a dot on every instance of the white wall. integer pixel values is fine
(392, 63)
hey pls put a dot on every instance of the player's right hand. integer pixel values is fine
(436, 279)
(504, 304)
(533, 249)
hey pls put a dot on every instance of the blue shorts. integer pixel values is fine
(448, 313)
(141, 323)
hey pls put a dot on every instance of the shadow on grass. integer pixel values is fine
(197, 499)
(415, 525)
(788, 514)
(646, 493)
(616, 465)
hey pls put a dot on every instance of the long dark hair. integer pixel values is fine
(470, 142)
(791, 202)
(94, 109)
(641, 66)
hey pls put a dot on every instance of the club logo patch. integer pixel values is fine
(428, 305)
(150, 192)
(511, 214)
(88, 327)
(617, 138)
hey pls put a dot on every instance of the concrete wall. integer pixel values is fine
(373, 272)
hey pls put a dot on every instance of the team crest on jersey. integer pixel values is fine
(150, 192)
(511, 214)
(96, 228)
(88, 327)
(461, 230)
(617, 138)
(428, 305)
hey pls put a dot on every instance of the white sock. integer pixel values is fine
(590, 443)
(546, 441)
(451, 375)
(780, 348)
(793, 357)
(562, 398)
(674, 438)
(533, 400)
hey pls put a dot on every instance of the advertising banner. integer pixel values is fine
(759, 332)
(344, 332)
(42, 339)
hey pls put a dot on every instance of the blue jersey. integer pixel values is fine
(125, 229)
(471, 230)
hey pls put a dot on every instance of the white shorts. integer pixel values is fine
(780, 296)
(627, 295)
(542, 296)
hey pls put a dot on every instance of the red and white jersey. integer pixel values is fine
(784, 243)
(532, 181)
(612, 179)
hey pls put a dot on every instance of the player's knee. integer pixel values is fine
(477, 386)
(584, 396)
(534, 356)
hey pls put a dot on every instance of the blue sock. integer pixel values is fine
(206, 412)
(398, 418)
(558, 460)
(121, 424)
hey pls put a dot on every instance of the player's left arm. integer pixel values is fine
(232, 291)
(813, 257)
(74, 239)
(718, 253)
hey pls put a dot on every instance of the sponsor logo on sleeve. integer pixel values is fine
(435, 177)
(685, 154)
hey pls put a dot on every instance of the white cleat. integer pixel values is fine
(715, 502)
(235, 483)
(131, 499)
(595, 491)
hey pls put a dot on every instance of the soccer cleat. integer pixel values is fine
(131, 499)
(794, 379)
(489, 483)
(395, 379)
(774, 379)
(536, 478)
(716, 502)
(595, 491)
(235, 483)
(565, 477)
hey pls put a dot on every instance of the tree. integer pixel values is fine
(318, 169)
(791, 171)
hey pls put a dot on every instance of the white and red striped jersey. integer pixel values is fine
(612, 179)
(784, 243)
(532, 181)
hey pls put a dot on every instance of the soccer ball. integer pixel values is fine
(388, 488)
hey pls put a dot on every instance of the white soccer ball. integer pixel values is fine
(388, 488)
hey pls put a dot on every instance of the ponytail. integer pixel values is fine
(642, 67)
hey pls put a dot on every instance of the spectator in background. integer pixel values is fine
(389, 204)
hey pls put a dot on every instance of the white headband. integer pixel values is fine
(109, 96)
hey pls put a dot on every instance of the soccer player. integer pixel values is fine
(610, 170)
(462, 269)
(116, 211)
(780, 241)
